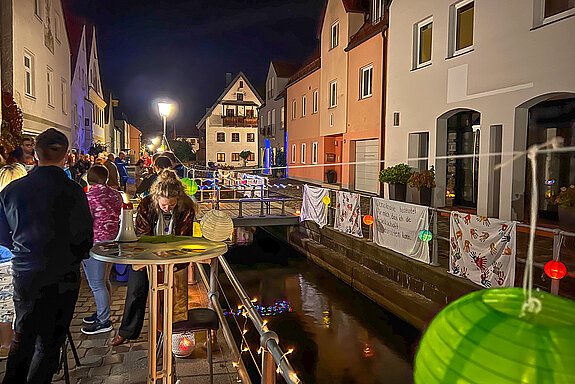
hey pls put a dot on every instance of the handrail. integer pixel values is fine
(269, 340)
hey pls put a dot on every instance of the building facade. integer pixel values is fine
(135, 142)
(272, 132)
(230, 126)
(346, 107)
(95, 92)
(35, 56)
(471, 82)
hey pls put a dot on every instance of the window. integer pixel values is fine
(235, 137)
(83, 79)
(314, 153)
(64, 89)
(333, 94)
(241, 86)
(37, 8)
(331, 119)
(303, 106)
(240, 96)
(293, 110)
(334, 39)
(269, 117)
(75, 112)
(366, 81)
(50, 86)
(235, 157)
(377, 10)
(293, 153)
(547, 11)
(461, 22)
(303, 153)
(422, 43)
(221, 157)
(251, 138)
(29, 74)
(220, 137)
(282, 117)
(273, 122)
(315, 101)
(252, 157)
(57, 27)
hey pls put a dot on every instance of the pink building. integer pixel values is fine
(336, 105)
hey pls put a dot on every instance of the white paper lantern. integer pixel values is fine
(216, 225)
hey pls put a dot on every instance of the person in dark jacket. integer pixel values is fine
(113, 176)
(160, 163)
(49, 234)
(122, 170)
(176, 165)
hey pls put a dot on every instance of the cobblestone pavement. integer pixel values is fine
(127, 363)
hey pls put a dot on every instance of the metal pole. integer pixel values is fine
(164, 139)
(557, 242)
(268, 368)
(153, 323)
(434, 252)
(168, 316)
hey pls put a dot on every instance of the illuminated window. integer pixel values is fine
(221, 157)
(251, 138)
(235, 157)
(252, 157)
(422, 44)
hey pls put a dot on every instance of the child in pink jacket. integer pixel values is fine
(106, 207)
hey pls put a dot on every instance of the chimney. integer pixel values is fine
(228, 78)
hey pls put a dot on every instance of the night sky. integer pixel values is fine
(182, 49)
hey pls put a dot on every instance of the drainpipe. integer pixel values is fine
(383, 99)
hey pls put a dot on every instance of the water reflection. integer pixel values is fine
(339, 336)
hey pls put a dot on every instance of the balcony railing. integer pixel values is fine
(239, 121)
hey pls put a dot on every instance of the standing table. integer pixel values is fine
(190, 249)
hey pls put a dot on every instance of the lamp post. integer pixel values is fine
(164, 109)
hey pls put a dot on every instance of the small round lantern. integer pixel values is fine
(555, 269)
(216, 225)
(368, 220)
(183, 344)
(484, 338)
(326, 200)
(194, 187)
(425, 235)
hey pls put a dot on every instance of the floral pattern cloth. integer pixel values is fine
(348, 213)
(105, 207)
(482, 249)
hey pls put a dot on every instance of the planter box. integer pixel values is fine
(397, 191)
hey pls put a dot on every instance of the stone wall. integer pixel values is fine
(412, 290)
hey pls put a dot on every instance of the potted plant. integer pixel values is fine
(331, 176)
(423, 181)
(244, 155)
(566, 206)
(397, 177)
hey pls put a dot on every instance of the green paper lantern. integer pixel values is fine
(425, 235)
(482, 339)
(187, 185)
(194, 187)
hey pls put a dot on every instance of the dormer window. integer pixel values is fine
(377, 7)
(240, 96)
(241, 84)
(334, 39)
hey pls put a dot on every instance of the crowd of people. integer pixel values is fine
(54, 205)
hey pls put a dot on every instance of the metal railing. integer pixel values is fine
(558, 235)
(273, 358)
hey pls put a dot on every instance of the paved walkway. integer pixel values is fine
(127, 363)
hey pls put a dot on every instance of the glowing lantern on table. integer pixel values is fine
(183, 344)
(425, 235)
(555, 269)
(326, 200)
(368, 220)
(483, 338)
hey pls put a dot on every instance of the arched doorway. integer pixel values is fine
(457, 176)
(554, 117)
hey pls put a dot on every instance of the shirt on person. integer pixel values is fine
(45, 221)
(105, 207)
(122, 170)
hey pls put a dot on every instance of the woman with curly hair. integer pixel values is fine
(166, 211)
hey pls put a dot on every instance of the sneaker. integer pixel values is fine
(97, 327)
(91, 319)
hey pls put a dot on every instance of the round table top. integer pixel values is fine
(192, 249)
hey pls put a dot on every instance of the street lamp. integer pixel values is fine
(164, 109)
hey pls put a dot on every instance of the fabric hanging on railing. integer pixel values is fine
(348, 213)
(397, 226)
(312, 206)
(482, 249)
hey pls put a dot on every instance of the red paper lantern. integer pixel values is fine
(368, 220)
(555, 269)
(185, 345)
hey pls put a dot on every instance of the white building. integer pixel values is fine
(480, 77)
(95, 93)
(230, 126)
(35, 55)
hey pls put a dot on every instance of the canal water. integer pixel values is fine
(338, 335)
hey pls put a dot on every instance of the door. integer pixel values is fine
(367, 169)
